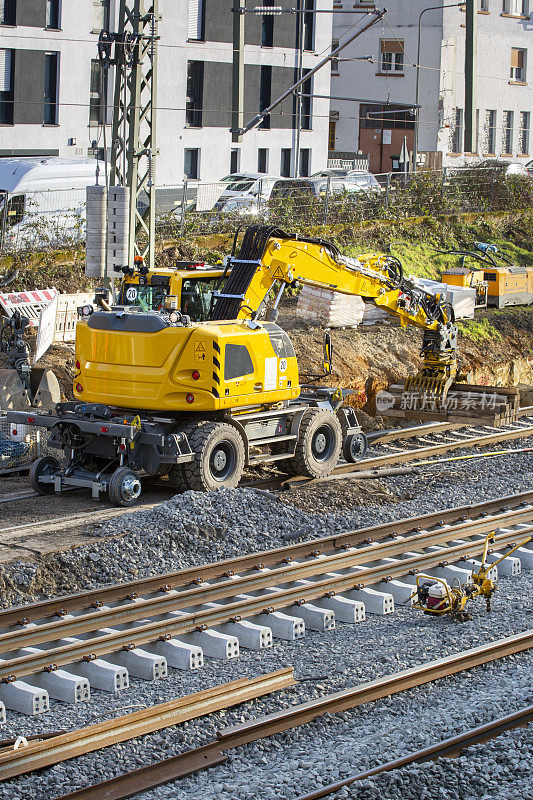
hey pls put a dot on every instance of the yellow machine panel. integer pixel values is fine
(178, 368)
(468, 279)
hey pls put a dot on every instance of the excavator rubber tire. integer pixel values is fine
(319, 444)
(124, 487)
(46, 465)
(176, 473)
(219, 457)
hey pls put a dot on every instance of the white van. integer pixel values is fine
(42, 200)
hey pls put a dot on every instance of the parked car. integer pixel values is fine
(349, 180)
(253, 185)
(529, 167)
(352, 184)
(507, 168)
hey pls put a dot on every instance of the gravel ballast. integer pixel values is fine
(195, 528)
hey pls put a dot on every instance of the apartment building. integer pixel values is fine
(55, 100)
(386, 84)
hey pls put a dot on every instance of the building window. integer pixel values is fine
(267, 27)
(334, 61)
(285, 167)
(392, 52)
(265, 90)
(518, 64)
(457, 139)
(309, 25)
(525, 123)
(234, 160)
(262, 159)
(491, 132)
(98, 93)
(100, 15)
(195, 94)
(53, 14)
(508, 121)
(331, 134)
(191, 160)
(307, 91)
(516, 8)
(484, 5)
(6, 87)
(50, 88)
(305, 158)
(196, 21)
(8, 12)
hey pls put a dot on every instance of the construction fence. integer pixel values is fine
(55, 219)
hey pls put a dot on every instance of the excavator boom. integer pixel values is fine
(268, 257)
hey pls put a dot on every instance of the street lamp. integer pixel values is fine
(417, 105)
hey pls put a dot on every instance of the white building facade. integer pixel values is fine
(388, 84)
(51, 87)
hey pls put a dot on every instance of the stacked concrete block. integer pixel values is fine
(329, 308)
(462, 299)
(373, 315)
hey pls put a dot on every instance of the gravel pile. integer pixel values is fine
(497, 769)
(195, 528)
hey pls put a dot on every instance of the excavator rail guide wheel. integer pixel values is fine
(47, 465)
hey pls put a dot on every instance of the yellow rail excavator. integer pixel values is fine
(201, 395)
(434, 596)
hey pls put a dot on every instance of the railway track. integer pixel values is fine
(445, 437)
(449, 748)
(174, 620)
(213, 753)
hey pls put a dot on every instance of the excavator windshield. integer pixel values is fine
(149, 298)
(196, 294)
(195, 301)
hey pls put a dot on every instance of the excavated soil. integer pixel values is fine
(497, 351)
(366, 359)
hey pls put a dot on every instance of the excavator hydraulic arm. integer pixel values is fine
(270, 259)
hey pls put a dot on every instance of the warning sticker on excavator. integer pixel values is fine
(200, 352)
(278, 274)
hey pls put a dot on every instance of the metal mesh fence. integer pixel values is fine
(56, 218)
(42, 220)
(20, 445)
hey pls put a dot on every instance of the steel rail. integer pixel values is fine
(373, 690)
(129, 784)
(63, 654)
(121, 591)
(373, 463)
(39, 754)
(448, 748)
(255, 580)
(433, 450)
